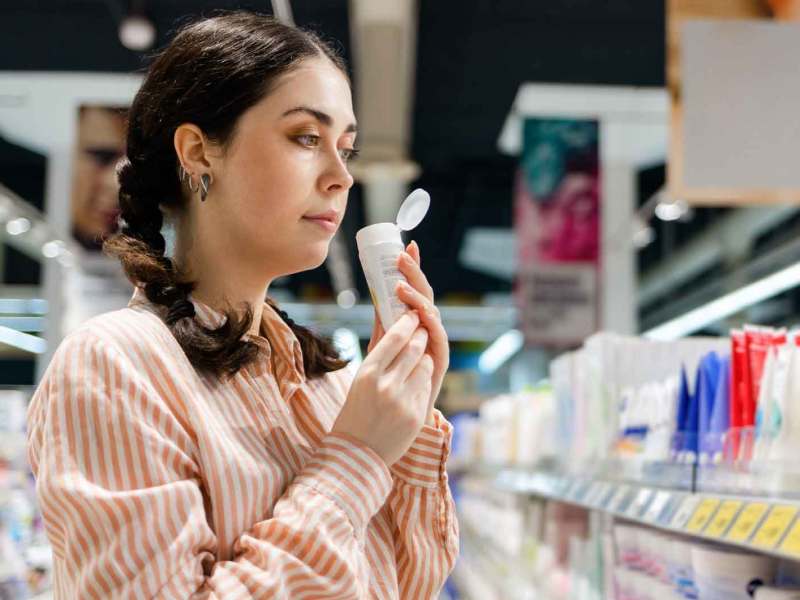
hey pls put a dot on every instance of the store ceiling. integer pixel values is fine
(472, 56)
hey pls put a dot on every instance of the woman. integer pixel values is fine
(198, 443)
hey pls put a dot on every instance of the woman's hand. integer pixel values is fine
(389, 398)
(420, 297)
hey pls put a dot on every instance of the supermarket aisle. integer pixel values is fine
(669, 480)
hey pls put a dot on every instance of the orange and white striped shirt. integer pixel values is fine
(157, 482)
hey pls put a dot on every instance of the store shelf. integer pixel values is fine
(766, 525)
(485, 572)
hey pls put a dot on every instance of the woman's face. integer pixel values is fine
(280, 191)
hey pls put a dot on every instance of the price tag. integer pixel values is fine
(702, 515)
(620, 500)
(640, 503)
(746, 523)
(724, 517)
(608, 496)
(560, 487)
(596, 493)
(774, 526)
(791, 544)
(657, 506)
(670, 510)
(569, 488)
(685, 512)
(582, 492)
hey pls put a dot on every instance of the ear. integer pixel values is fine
(192, 149)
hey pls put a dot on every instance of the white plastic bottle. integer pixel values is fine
(379, 247)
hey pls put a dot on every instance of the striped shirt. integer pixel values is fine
(157, 482)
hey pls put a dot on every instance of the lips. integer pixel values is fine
(331, 216)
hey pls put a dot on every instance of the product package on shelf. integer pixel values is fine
(519, 547)
(511, 429)
(623, 401)
(649, 564)
(760, 440)
(25, 558)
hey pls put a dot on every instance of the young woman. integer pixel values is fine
(198, 443)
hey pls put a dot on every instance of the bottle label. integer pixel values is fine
(379, 262)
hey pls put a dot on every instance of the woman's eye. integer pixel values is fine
(311, 141)
(349, 154)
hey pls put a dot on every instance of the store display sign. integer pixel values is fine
(724, 518)
(702, 515)
(557, 223)
(747, 521)
(685, 512)
(775, 526)
(722, 97)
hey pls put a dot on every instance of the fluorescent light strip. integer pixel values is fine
(500, 351)
(23, 306)
(727, 305)
(23, 341)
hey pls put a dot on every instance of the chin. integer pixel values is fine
(313, 257)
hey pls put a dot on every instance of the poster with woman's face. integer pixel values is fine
(100, 144)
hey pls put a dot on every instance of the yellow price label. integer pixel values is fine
(774, 526)
(792, 542)
(724, 517)
(702, 515)
(748, 520)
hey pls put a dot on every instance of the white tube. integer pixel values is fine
(379, 247)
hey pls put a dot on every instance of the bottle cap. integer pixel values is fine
(413, 209)
(377, 234)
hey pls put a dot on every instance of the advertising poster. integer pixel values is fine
(557, 225)
(100, 144)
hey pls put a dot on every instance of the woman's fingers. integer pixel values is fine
(393, 342)
(428, 312)
(413, 250)
(377, 332)
(407, 360)
(421, 379)
(416, 278)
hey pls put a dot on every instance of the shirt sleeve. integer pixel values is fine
(121, 496)
(423, 512)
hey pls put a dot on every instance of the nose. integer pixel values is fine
(336, 178)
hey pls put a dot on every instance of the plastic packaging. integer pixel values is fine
(379, 247)
(725, 574)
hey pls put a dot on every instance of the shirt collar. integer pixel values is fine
(285, 341)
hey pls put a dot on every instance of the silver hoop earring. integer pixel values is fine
(205, 183)
(192, 189)
(182, 174)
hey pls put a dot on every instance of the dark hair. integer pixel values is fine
(213, 71)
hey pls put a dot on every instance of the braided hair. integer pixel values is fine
(212, 72)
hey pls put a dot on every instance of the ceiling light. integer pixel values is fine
(500, 351)
(18, 226)
(137, 32)
(727, 305)
(53, 248)
(347, 343)
(671, 210)
(23, 341)
(346, 299)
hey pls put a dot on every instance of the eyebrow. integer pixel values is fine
(320, 116)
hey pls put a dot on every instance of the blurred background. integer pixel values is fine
(607, 179)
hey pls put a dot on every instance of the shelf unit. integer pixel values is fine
(766, 525)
